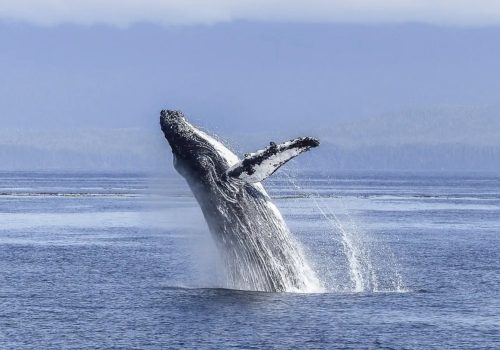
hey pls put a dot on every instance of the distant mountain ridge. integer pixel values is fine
(433, 126)
(443, 138)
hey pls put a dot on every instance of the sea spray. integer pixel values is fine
(368, 265)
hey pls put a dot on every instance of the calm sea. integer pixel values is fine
(124, 261)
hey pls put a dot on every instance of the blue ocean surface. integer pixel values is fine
(125, 261)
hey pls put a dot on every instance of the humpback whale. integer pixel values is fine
(257, 248)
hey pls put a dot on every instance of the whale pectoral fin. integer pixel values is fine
(257, 166)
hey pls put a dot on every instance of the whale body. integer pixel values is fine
(256, 245)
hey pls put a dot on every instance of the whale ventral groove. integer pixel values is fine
(258, 250)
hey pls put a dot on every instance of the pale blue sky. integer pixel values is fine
(239, 74)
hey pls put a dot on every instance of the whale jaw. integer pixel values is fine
(176, 129)
(197, 156)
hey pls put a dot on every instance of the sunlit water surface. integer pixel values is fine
(100, 261)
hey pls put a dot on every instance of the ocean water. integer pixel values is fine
(125, 261)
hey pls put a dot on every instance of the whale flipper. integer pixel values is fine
(257, 166)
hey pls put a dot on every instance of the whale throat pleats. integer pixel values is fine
(257, 166)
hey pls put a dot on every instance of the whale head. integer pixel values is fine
(197, 155)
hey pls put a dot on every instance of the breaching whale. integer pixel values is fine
(255, 243)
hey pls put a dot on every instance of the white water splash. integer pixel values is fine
(270, 261)
(369, 265)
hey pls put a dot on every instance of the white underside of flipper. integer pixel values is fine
(257, 166)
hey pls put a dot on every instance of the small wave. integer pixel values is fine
(68, 194)
(221, 290)
(184, 287)
(225, 290)
(386, 196)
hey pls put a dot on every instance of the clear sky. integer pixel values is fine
(242, 66)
